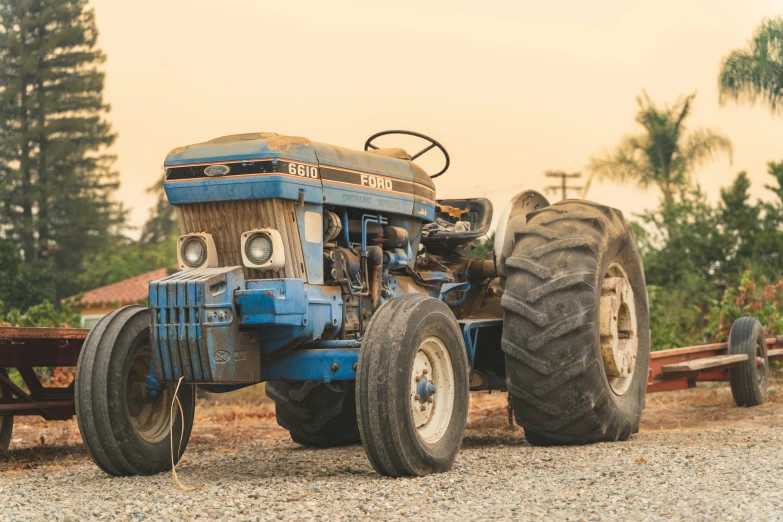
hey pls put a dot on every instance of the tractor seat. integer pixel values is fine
(392, 153)
(458, 222)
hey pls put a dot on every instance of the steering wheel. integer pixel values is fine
(433, 144)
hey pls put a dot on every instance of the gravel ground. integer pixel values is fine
(724, 466)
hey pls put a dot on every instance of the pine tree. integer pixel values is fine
(162, 223)
(56, 177)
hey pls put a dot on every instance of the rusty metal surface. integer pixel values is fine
(658, 380)
(50, 403)
(227, 220)
(22, 333)
(25, 347)
(50, 410)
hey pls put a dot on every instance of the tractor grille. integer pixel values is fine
(227, 220)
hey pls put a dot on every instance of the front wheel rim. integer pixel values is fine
(149, 418)
(432, 390)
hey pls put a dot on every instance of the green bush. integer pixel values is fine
(43, 315)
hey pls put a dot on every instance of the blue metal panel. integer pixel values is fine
(424, 210)
(236, 148)
(197, 316)
(195, 298)
(312, 251)
(239, 147)
(156, 304)
(313, 365)
(242, 188)
(339, 194)
(348, 162)
(190, 331)
(471, 328)
(287, 312)
(171, 331)
(461, 289)
(272, 301)
(332, 155)
(196, 330)
(190, 357)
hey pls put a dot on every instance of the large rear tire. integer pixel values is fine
(749, 380)
(412, 387)
(127, 432)
(316, 414)
(576, 330)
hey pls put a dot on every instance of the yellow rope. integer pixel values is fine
(181, 435)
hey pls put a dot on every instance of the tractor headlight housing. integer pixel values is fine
(263, 249)
(196, 251)
(258, 248)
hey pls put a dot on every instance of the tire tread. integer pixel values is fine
(314, 414)
(746, 333)
(553, 376)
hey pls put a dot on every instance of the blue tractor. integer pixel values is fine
(337, 277)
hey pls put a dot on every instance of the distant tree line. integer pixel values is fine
(707, 264)
(61, 229)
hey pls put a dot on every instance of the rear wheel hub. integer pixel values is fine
(618, 329)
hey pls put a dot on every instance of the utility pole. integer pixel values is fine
(564, 187)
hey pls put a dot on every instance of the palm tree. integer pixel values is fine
(664, 154)
(756, 72)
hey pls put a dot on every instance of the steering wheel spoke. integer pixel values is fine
(423, 151)
(433, 144)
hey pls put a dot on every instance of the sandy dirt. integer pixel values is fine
(224, 423)
(697, 457)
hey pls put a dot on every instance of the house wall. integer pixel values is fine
(92, 314)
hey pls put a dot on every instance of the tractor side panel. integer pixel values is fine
(362, 180)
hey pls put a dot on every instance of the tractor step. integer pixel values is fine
(704, 363)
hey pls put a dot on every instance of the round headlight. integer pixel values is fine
(194, 252)
(259, 248)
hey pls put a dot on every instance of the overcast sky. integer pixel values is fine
(510, 88)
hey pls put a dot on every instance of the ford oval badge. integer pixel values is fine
(217, 170)
(221, 356)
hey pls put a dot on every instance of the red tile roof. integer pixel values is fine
(129, 291)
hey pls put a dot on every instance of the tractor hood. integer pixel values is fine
(268, 165)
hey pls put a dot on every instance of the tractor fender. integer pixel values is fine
(512, 219)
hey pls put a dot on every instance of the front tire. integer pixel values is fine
(125, 432)
(576, 329)
(314, 413)
(412, 387)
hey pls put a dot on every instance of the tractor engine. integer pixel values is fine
(288, 242)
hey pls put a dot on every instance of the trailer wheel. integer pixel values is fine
(314, 413)
(576, 329)
(6, 421)
(125, 429)
(750, 379)
(412, 387)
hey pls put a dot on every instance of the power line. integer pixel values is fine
(564, 187)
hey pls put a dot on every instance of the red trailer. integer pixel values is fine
(24, 349)
(743, 361)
